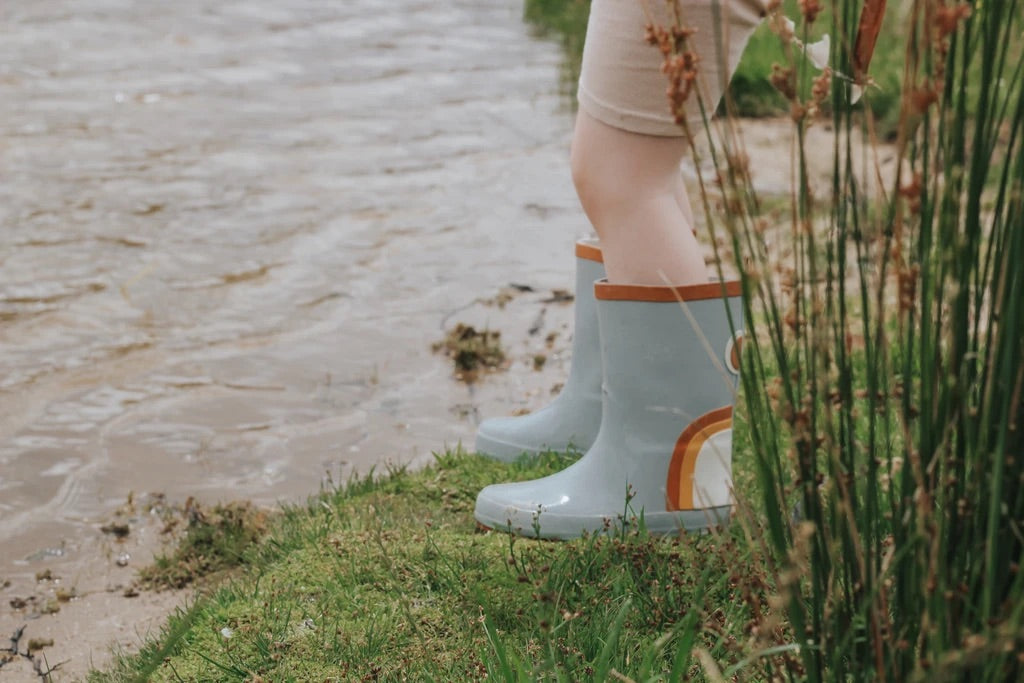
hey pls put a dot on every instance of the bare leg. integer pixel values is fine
(630, 187)
(684, 201)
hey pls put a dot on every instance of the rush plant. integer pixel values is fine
(884, 367)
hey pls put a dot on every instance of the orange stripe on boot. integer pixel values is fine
(589, 251)
(605, 291)
(684, 456)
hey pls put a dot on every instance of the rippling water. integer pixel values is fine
(229, 232)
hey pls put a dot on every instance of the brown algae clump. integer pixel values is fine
(472, 351)
(214, 541)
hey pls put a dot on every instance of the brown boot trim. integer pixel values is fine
(606, 291)
(589, 251)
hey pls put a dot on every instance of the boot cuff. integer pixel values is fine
(606, 291)
(589, 250)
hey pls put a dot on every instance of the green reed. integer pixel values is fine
(885, 365)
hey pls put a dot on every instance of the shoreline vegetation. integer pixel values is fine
(388, 578)
(878, 532)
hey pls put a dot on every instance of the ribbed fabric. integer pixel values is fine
(621, 83)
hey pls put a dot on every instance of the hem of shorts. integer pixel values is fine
(632, 121)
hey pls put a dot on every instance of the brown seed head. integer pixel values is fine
(810, 9)
(948, 18)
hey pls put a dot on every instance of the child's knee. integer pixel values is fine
(599, 181)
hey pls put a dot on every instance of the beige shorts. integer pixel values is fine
(621, 82)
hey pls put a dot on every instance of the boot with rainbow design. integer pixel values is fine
(664, 449)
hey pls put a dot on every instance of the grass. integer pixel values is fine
(388, 578)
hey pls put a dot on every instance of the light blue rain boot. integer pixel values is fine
(670, 374)
(572, 419)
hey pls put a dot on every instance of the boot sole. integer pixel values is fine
(567, 527)
(509, 452)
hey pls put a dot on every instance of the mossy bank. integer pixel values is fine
(388, 578)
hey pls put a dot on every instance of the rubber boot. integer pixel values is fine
(664, 450)
(571, 420)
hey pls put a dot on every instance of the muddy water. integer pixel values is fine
(230, 231)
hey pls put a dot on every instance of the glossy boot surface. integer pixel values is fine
(663, 451)
(572, 419)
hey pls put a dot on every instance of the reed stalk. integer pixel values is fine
(884, 374)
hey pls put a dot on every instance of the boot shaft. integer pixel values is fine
(670, 376)
(670, 354)
(585, 371)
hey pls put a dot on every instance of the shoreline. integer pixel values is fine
(100, 614)
(102, 604)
